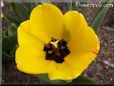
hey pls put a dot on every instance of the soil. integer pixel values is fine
(12, 76)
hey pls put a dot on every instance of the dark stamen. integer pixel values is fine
(59, 59)
(48, 47)
(53, 39)
(62, 42)
(49, 56)
(56, 53)
(64, 52)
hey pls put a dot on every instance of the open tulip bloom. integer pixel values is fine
(61, 46)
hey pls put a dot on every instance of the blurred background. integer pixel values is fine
(13, 13)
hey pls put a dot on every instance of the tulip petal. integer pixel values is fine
(26, 39)
(87, 42)
(74, 21)
(46, 21)
(63, 71)
(82, 37)
(32, 61)
(80, 61)
(83, 43)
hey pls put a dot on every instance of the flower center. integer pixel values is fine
(56, 50)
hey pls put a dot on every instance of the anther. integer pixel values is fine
(53, 40)
(59, 59)
(50, 51)
(56, 50)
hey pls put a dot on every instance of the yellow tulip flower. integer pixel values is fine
(61, 46)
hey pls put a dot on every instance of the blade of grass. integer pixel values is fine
(30, 6)
(16, 13)
(98, 10)
(85, 11)
(75, 6)
(12, 20)
(70, 7)
(45, 1)
(21, 11)
(99, 17)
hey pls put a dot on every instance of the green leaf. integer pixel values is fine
(12, 20)
(12, 31)
(9, 42)
(9, 46)
(21, 11)
(81, 80)
(45, 80)
(99, 17)
(30, 6)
